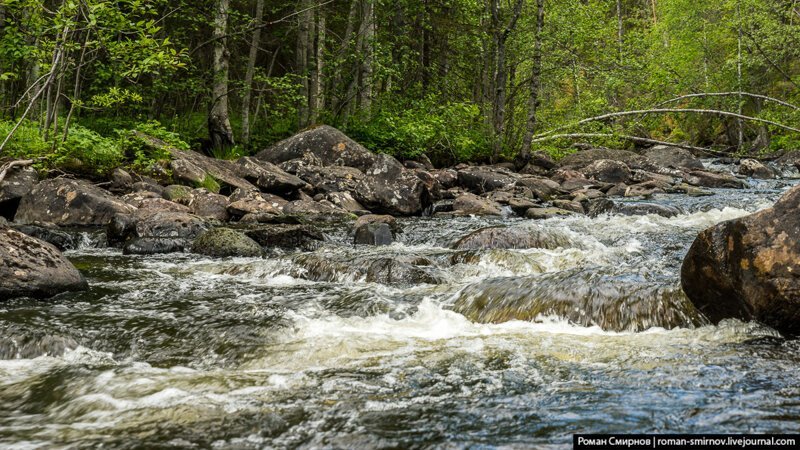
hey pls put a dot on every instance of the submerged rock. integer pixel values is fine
(150, 245)
(401, 270)
(33, 268)
(224, 242)
(714, 180)
(512, 238)
(603, 206)
(749, 268)
(375, 233)
(586, 297)
(66, 202)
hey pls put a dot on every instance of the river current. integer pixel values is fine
(181, 351)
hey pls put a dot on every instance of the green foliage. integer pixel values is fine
(142, 154)
(86, 151)
(444, 132)
(27, 142)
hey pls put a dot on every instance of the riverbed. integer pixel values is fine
(182, 351)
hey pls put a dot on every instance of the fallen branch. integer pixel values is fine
(729, 94)
(636, 139)
(10, 165)
(667, 111)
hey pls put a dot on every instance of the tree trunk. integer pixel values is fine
(535, 86)
(368, 32)
(219, 123)
(317, 100)
(500, 75)
(338, 76)
(251, 68)
(301, 58)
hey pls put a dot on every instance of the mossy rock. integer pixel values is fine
(224, 242)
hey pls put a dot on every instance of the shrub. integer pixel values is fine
(26, 143)
(446, 133)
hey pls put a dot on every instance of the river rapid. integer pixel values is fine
(181, 351)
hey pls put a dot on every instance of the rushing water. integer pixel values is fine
(183, 351)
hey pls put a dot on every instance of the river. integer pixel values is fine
(180, 351)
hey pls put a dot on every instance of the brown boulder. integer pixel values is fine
(749, 268)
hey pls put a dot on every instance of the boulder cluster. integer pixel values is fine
(278, 198)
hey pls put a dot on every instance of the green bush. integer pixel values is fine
(88, 152)
(141, 154)
(446, 133)
(26, 143)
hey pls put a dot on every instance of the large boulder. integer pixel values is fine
(33, 268)
(403, 270)
(224, 242)
(674, 157)
(332, 179)
(328, 144)
(389, 188)
(161, 231)
(18, 182)
(68, 202)
(512, 238)
(748, 268)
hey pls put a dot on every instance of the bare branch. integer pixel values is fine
(667, 111)
(729, 94)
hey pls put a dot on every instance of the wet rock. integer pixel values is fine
(747, 268)
(160, 204)
(155, 245)
(603, 206)
(512, 238)
(483, 179)
(755, 169)
(268, 177)
(691, 191)
(57, 238)
(546, 213)
(373, 234)
(329, 145)
(30, 267)
(18, 182)
(608, 171)
(646, 189)
(471, 204)
(67, 202)
(403, 270)
(675, 157)
(521, 205)
(304, 237)
(714, 180)
(379, 218)
(224, 242)
(587, 297)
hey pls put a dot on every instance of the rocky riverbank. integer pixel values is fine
(281, 197)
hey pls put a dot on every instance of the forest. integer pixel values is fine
(455, 80)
